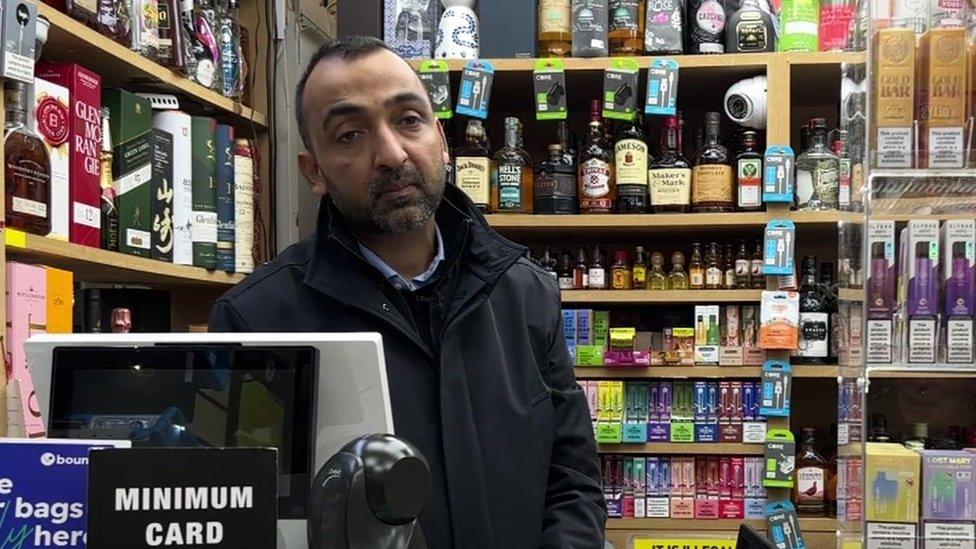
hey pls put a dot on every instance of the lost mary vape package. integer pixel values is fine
(959, 278)
(891, 495)
(880, 291)
(920, 263)
(949, 494)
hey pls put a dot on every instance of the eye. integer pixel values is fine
(348, 137)
(411, 120)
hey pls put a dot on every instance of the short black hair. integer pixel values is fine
(346, 48)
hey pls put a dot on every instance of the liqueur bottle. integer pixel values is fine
(27, 167)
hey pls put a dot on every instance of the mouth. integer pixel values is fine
(397, 190)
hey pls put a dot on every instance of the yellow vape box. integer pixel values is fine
(942, 91)
(892, 482)
(895, 97)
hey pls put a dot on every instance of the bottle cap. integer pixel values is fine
(621, 256)
(555, 148)
(713, 117)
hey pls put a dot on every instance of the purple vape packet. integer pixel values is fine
(948, 485)
(881, 275)
(923, 288)
(960, 286)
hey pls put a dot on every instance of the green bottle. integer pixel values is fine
(800, 23)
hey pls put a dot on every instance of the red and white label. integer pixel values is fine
(52, 121)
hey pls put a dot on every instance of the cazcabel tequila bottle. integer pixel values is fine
(472, 166)
(631, 157)
(512, 177)
(670, 176)
(27, 167)
(712, 175)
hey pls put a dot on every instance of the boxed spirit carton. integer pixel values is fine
(132, 156)
(51, 123)
(26, 316)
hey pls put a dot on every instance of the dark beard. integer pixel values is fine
(398, 216)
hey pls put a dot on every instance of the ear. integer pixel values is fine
(312, 173)
(447, 152)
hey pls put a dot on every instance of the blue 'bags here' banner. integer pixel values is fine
(44, 491)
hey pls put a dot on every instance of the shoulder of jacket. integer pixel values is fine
(296, 256)
(535, 273)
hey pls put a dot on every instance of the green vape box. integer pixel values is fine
(130, 126)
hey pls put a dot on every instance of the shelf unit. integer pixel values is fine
(648, 297)
(700, 372)
(808, 524)
(685, 448)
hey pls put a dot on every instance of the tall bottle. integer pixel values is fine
(750, 30)
(678, 278)
(845, 171)
(813, 347)
(706, 26)
(696, 270)
(229, 37)
(757, 281)
(27, 167)
(597, 188)
(627, 27)
(512, 177)
(555, 28)
(548, 263)
(472, 166)
(670, 175)
(581, 270)
(748, 170)
(565, 272)
(811, 477)
(109, 201)
(555, 184)
(817, 172)
(712, 174)
(631, 155)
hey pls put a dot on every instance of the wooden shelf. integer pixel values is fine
(698, 372)
(905, 217)
(947, 371)
(808, 524)
(95, 265)
(690, 448)
(70, 40)
(643, 297)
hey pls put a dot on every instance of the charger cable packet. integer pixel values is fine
(475, 93)
(780, 459)
(436, 78)
(620, 89)
(780, 244)
(662, 88)
(784, 528)
(777, 381)
(549, 79)
(778, 175)
(780, 320)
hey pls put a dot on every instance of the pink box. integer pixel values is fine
(26, 316)
(682, 508)
(706, 508)
(731, 509)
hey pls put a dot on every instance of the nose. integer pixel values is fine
(389, 150)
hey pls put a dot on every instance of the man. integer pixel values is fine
(480, 378)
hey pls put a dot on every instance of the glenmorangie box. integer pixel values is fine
(203, 230)
(161, 195)
(226, 149)
(130, 122)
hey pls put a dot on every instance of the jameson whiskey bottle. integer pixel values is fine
(817, 172)
(555, 184)
(472, 166)
(27, 167)
(631, 157)
(555, 28)
(597, 188)
(109, 202)
(670, 175)
(512, 176)
(712, 174)
(627, 27)
(748, 170)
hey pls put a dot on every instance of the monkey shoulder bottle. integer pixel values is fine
(712, 179)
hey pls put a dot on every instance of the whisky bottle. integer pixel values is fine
(639, 269)
(678, 278)
(729, 283)
(757, 281)
(817, 171)
(712, 174)
(748, 169)
(472, 166)
(696, 271)
(811, 476)
(555, 183)
(27, 167)
(670, 175)
(597, 188)
(555, 28)
(742, 267)
(581, 273)
(597, 271)
(512, 176)
(631, 157)
(621, 277)
(565, 272)
(713, 269)
(548, 263)
(813, 346)
(627, 27)
(229, 39)
(656, 279)
(109, 200)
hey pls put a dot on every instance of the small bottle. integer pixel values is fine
(109, 201)
(548, 263)
(845, 172)
(670, 175)
(512, 176)
(555, 28)
(920, 437)
(757, 281)
(817, 172)
(742, 267)
(696, 271)
(656, 279)
(678, 278)
(597, 188)
(878, 428)
(229, 37)
(27, 167)
(811, 477)
(712, 179)
(748, 169)
(565, 276)
(621, 277)
(713, 270)
(581, 272)
(630, 167)
(639, 270)
(121, 320)
(597, 272)
(729, 268)
(627, 27)
(472, 166)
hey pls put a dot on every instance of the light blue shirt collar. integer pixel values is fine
(395, 278)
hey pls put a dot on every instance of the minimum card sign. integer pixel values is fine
(225, 498)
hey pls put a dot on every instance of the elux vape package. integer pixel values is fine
(732, 488)
(569, 332)
(658, 487)
(753, 423)
(683, 485)
(948, 493)
(731, 407)
(706, 411)
(891, 494)
(609, 486)
(959, 277)
(755, 493)
(881, 290)
(683, 412)
(639, 484)
(706, 334)
(707, 489)
(895, 97)
(627, 501)
(922, 307)
(659, 417)
(636, 416)
(411, 27)
(730, 350)
(942, 97)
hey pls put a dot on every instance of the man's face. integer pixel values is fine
(377, 148)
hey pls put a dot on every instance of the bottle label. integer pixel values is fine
(509, 187)
(555, 192)
(713, 276)
(640, 276)
(810, 485)
(818, 186)
(28, 207)
(624, 15)
(750, 182)
(751, 35)
(712, 183)
(711, 17)
(757, 268)
(631, 162)
(620, 279)
(844, 184)
(730, 278)
(52, 121)
(472, 175)
(742, 268)
(697, 278)
(596, 178)
(554, 16)
(597, 278)
(670, 186)
(813, 335)
(566, 283)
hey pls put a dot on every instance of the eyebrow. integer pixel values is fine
(345, 108)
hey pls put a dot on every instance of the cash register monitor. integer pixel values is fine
(306, 394)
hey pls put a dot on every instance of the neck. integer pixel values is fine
(409, 253)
